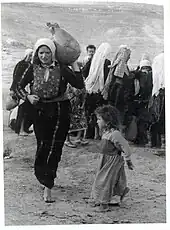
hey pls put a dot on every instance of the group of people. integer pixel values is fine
(137, 94)
(97, 98)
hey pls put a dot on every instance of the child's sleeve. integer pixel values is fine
(121, 143)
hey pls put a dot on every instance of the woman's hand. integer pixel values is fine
(33, 99)
(75, 66)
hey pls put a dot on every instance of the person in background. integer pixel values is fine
(94, 83)
(110, 178)
(91, 49)
(78, 123)
(143, 91)
(22, 122)
(157, 102)
(119, 88)
(50, 108)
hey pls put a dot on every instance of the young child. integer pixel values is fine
(110, 179)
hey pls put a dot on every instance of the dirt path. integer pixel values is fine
(23, 195)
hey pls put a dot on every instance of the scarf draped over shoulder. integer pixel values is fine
(118, 67)
(95, 81)
(158, 74)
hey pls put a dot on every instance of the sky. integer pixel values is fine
(157, 2)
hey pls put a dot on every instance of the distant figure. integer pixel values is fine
(110, 178)
(91, 49)
(157, 103)
(97, 75)
(119, 89)
(22, 122)
(143, 91)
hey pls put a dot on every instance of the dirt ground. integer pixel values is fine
(146, 202)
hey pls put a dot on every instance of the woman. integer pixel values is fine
(143, 90)
(21, 122)
(94, 82)
(50, 108)
(119, 88)
(157, 103)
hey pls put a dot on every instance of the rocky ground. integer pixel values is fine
(146, 202)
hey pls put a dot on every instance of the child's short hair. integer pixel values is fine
(110, 115)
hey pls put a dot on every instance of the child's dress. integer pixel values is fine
(111, 179)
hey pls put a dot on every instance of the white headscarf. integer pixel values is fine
(144, 63)
(50, 44)
(95, 80)
(44, 42)
(158, 74)
(119, 66)
(27, 53)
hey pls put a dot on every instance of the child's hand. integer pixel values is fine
(130, 165)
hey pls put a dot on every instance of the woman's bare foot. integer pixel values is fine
(103, 208)
(47, 195)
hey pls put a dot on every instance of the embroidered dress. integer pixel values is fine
(77, 98)
(111, 179)
(51, 114)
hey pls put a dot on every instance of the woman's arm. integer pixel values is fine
(75, 79)
(27, 78)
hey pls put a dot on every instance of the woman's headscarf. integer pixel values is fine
(120, 61)
(95, 80)
(27, 54)
(145, 61)
(44, 42)
(158, 74)
(50, 44)
(119, 66)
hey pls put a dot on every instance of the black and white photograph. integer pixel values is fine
(83, 113)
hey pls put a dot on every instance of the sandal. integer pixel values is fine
(71, 145)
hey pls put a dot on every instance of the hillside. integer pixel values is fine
(138, 25)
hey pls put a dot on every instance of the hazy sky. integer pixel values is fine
(157, 2)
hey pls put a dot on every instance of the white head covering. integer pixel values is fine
(119, 66)
(28, 52)
(145, 63)
(44, 42)
(158, 74)
(95, 80)
(120, 61)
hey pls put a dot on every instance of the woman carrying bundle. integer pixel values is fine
(50, 108)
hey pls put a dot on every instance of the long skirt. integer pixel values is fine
(51, 125)
(110, 179)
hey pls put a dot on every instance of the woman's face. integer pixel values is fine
(145, 69)
(45, 55)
